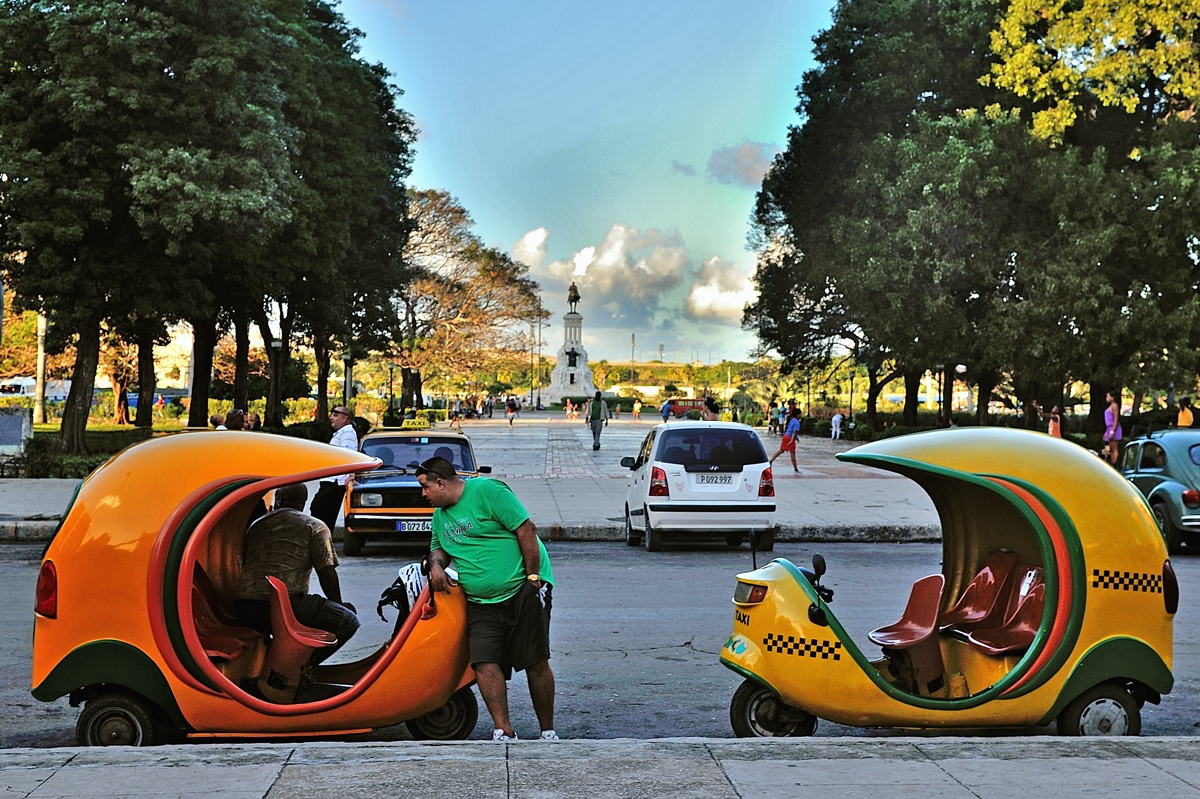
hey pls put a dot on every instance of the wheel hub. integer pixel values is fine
(117, 729)
(1104, 717)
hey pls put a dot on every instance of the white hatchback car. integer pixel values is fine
(700, 478)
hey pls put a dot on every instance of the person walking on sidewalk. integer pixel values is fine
(788, 442)
(328, 501)
(505, 572)
(597, 415)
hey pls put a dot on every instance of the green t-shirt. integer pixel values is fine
(479, 533)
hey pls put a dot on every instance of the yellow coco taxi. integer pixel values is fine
(133, 610)
(1055, 601)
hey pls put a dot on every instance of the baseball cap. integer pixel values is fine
(438, 467)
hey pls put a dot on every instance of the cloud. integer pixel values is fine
(531, 249)
(686, 169)
(743, 165)
(623, 279)
(720, 292)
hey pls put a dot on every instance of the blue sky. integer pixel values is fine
(618, 144)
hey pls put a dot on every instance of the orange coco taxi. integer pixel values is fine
(133, 598)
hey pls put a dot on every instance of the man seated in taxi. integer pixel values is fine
(288, 544)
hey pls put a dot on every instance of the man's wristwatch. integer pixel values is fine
(533, 578)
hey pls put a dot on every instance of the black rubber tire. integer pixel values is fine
(747, 713)
(352, 544)
(453, 721)
(119, 720)
(766, 541)
(632, 539)
(733, 539)
(1170, 532)
(1100, 711)
(654, 538)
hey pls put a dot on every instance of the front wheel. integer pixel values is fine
(632, 539)
(756, 712)
(453, 721)
(352, 544)
(119, 720)
(1169, 530)
(1107, 709)
(765, 541)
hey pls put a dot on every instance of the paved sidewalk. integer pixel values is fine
(681, 767)
(574, 493)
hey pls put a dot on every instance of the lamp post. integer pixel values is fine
(632, 359)
(539, 354)
(347, 359)
(391, 398)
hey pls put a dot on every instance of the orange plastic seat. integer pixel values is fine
(220, 640)
(979, 601)
(920, 616)
(292, 645)
(1023, 620)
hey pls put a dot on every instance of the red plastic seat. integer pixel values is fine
(1021, 624)
(292, 644)
(920, 616)
(979, 601)
(220, 640)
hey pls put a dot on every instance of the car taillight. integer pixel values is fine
(749, 593)
(46, 603)
(766, 483)
(1191, 498)
(658, 483)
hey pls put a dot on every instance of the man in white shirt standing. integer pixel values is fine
(328, 501)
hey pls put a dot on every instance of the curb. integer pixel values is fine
(31, 531)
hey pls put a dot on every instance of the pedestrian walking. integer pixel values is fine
(1112, 428)
(711, 412)
(504, 570)
(837, 426)
(666, 410)
(637, 410)
(1184, 417)
(328, 501)
(510, 410)
(597, 415)
(1054, 425)
(788, 442)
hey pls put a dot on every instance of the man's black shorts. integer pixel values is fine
(513, 634)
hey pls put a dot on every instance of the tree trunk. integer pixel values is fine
(1138, 397)
(241, 359)
(411, 393)
(39, 390)
(120, 399)
(912, 391)
(1095, 420)
(204, 342)
(321, 355)
(987, 382)
(146, 378)
(277, 358)
(83, 382)
(947, 394)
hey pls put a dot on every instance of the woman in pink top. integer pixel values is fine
(1112, 429)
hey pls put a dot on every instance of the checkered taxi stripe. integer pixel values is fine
(1127, 581)
(805, 646)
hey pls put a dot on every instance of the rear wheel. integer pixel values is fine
(453, 721)
(1106, 709)
(766, 541)
(733, 539)
(632, 539)
(756, 712)
(653, 537)
(352, 544)
(1169, 530)
(120, 720)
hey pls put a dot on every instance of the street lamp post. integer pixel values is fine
(347, 359)
(391, 409)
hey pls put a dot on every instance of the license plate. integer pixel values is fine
(715, 479)
(414, 527)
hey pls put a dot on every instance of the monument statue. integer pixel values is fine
(571, 377)
(573, 296)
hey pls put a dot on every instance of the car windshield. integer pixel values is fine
(404, 451)
(711, 445)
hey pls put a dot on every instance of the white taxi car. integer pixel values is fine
(700, 478)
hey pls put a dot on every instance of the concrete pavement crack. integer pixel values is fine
(943, 770)
(279, 773)
(724, 773)
(1155, 765)
(60, 768)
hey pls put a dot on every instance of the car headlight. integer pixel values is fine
(370, 500)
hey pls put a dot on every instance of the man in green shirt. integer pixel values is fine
(505, 572)
(597, 416)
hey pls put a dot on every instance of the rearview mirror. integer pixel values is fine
(485, 469)
(818, 565)
(628, 463)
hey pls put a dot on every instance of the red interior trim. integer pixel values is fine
(1066, 586)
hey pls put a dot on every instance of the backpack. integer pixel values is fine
(402, 593)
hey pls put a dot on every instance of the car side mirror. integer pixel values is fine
(819, 565)
(485, 469)
(628, 463)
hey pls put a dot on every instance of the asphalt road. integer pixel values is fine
(635, 636)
